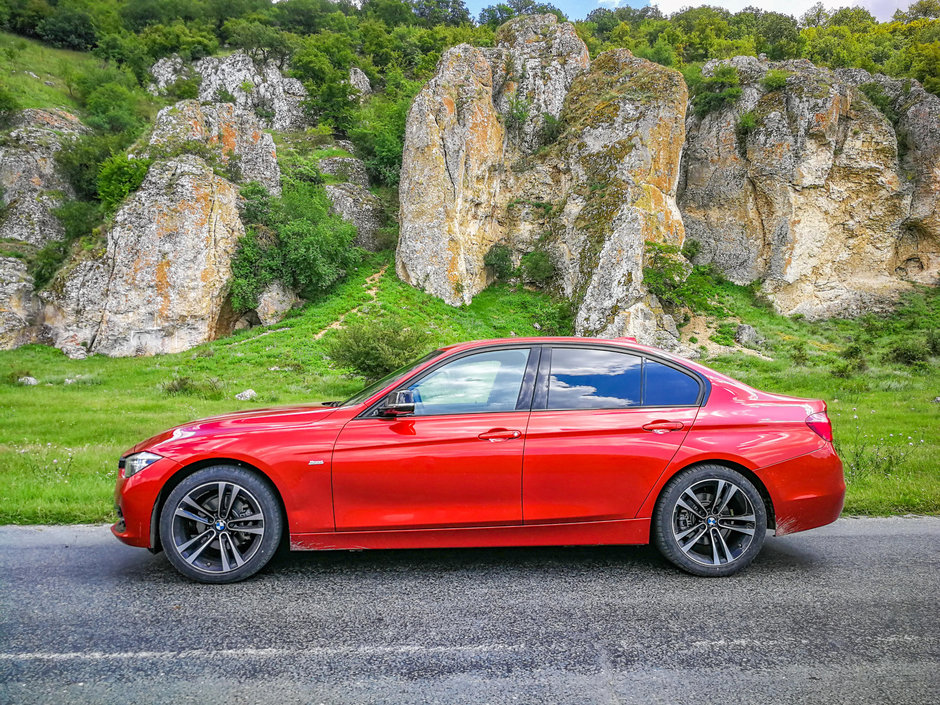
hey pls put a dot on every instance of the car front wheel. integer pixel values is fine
(221, 524)
(710, 521)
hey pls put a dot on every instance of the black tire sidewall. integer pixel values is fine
(270, 508)
(664, 538)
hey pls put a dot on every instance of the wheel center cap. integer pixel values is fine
(219, 525)
(711, 521)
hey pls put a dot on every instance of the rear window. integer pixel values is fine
(667, 386)
(593, 379)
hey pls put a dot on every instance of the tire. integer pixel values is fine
(213, 546)
(694, 537)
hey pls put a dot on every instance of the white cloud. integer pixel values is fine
(882, 9)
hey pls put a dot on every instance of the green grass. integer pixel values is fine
(59, 443)
(18, 55)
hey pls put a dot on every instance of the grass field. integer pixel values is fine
(19, 56)
(59, 441)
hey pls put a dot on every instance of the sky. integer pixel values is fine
(578, 9)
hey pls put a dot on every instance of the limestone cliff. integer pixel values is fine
(821, 197)
(481, 167)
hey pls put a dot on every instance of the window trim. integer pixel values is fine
(527, 388)
(540, 402)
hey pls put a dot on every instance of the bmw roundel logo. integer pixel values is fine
(711, 521)
(220, 525)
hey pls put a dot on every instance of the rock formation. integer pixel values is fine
(159, 284)
(823, 199)
(256, 88)
(485, 164)
(359, 81)
(346, 169)
(18, 304)
(232, 131)
(358, 206)
(31, 186)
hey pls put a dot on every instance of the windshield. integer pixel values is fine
(364, 394)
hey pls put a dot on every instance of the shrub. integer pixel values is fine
(78, 218)
(665, 273)
(537, 267)
(9, 106)
(112, 108)
(186, 88)
(717, 91)
(775, 79)
(210, 388)
(499, 259)
(724, 335)
(747, 123)
(69, 28)
(375, 347)
(799, 354)
(908, 351)
(119, 176)
(691, 248)
(875, 93)
(551, 129)
(518, 113)
(223, 95)
(81, 157)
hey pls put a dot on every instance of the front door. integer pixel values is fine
(457, 461)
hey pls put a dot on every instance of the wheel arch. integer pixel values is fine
(730, 465)
(188, 470)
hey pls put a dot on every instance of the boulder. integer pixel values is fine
(359, 81)
(232, 131)
(590, 199)
(18, 305)
(816, 200)
(358, 206)
(346, 169)
(160, 284)
(166, 72)
(31, 185)
(274, 302)
(747, 336)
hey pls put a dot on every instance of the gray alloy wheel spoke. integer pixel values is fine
(258, 530)
(715, 559)
(195, 554)
(694, 540)
(231, 501)
(717, 500)
(226, 567)
(688, 531)
(738, 529)
(685, 505)
(198, 507)
(193, 540)
(186, 514)
(724, 544)
(732, 491)
(251, 517)
(239, 561)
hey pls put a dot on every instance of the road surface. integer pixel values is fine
(844, 614)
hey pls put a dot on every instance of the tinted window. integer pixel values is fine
(487, 381)
(593, 379)
(667, 386)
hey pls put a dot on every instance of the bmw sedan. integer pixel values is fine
(517, 442)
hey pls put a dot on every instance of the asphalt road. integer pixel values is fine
(844, 614)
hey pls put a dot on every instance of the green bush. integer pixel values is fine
(875, 93)
(223, 95)
(186, 88)
(537, 267)
(113, 108)
(717, 91)
(376, 346)
(691, 248)
(665, 273)
(775, 79)
(724, 335)
(908, 351)
(211, 388)
(747, 123)
(78, 218)
(119, 176)
(9, 106)
(499, 259)
(550, 130)
(798, 353)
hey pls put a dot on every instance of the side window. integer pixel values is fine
(593, 379)
(667, 386)
(484, 382)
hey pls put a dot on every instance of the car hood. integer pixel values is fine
(237, 422)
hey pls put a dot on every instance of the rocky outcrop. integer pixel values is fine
(31, 185)
(235, 133)
(18, 304)
(481, 169)
(274, 302)
(255, 88)
(816, 193)
(346, 169)
(358, 206)
(359, 81)
(159, 285)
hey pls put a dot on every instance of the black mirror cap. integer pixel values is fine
(398, 403)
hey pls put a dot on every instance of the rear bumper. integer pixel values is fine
(135, 498)
(807, 491)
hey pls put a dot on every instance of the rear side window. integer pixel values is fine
(667, 386)
(593, 379)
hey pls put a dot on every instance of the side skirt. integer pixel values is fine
(595, 533)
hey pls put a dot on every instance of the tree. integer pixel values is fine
(816, 16)
(68, 28)
(435, 12)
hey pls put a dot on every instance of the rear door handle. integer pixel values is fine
(500, 434)
(662, 426)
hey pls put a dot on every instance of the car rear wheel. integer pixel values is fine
(221, 524)
(710, 521)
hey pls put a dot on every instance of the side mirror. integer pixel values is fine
(399, 403)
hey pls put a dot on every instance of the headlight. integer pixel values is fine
(133, 464)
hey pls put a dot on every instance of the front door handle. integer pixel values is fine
(662, 426)
(500, 434)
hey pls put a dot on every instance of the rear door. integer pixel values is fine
(605, 423)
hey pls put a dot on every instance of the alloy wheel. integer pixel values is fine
(714, 522)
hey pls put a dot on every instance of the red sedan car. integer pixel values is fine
(518, 442)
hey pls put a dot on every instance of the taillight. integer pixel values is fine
(821, 424)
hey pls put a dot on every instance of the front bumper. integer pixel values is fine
(807, 491)
(135, 499)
